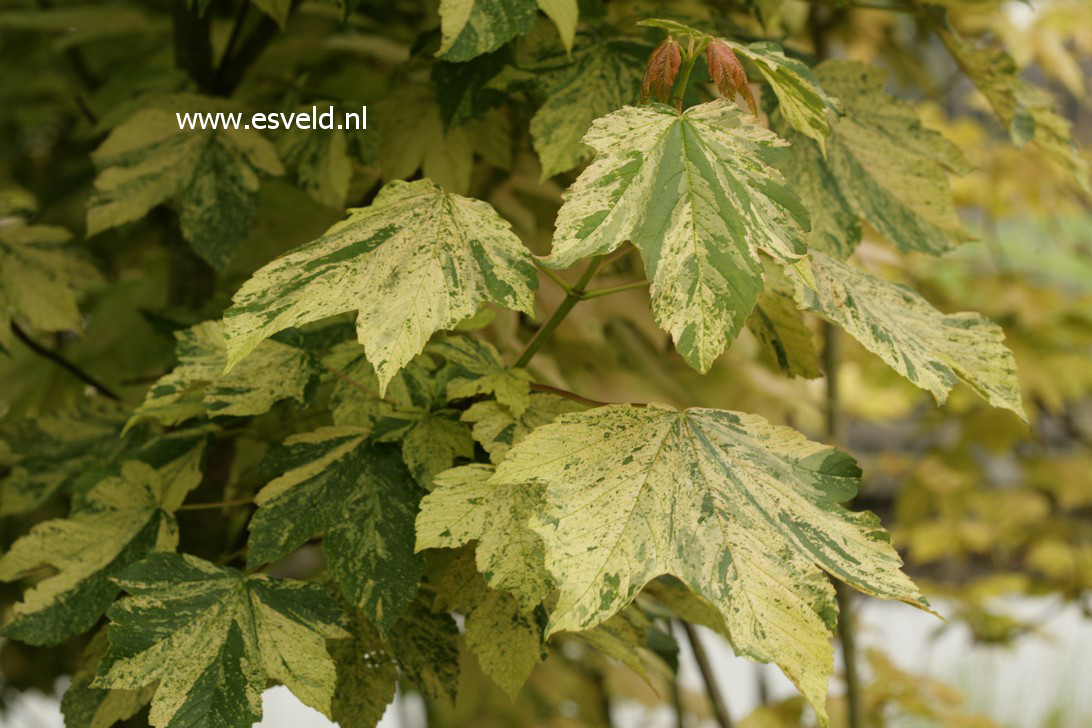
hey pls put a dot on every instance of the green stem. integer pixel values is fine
(684, 77)
(846, 624)
(556, 279)
(716, 700)
(600, 292)
(571, 299)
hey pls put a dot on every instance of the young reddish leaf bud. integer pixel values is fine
(663, 67)
(727, 73)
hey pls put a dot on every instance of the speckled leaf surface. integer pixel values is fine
(319, 162)
(212, 637)
(414, 411)
(803, 102)
(464, 506)
(699, 195)
(747, 514)
(85, 706)
(198, 384)
(363, 502)
(41, 279)
(121, 520)
(931, 349)
(470, 28)
(416, 261)
(497, 428)
(366, 675)
(214, 174)
(780, 329)
(504, 636)
(602, 77)
(477, 368)
(882, 165)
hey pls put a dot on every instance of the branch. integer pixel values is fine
(63, 363)
(716, 700)
(231, 70)
(571, 299)
(192, 43)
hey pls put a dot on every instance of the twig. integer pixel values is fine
(353, 383)
(63, 363)
(236, 31)
(571, 299)
(569, 395)
(600, 292)
(214, 504)
(716, 700)
(556, 279)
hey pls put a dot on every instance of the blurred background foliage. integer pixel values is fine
(982, 507)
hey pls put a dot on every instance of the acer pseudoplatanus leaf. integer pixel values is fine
(416, 261)
(746, 514)
(699, 194)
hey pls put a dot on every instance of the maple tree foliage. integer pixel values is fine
(499, 397)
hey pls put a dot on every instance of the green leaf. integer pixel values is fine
(472, 27)
(319, 161)
(699, 195)
(433, 445)
(602, 77)
(479, 369)
(85, 706)
(214, 174)
(41, 279)
(464, 506)
(199, 386)
(801, 100)
(360, 498)
(881, 165)
(212, 637)
(931, 349)
(427, 649)
(121, 521)
(416, 261)
(745, 513)
(779, 327)
(498, 429)
(1029, 113)
(506, 638)
(366, 675)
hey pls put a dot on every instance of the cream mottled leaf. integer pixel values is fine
(801, 99)
(121, 520)
(213, 173)
(213, 637)
(786, 340)
(745, 513)
(473, 27)
(361, 499)
(497, 428)
(699, 195)
(199, 386)
(414, 410)
(504, 636)
(624, 637)
(479, 369)
(602, 77)
(41, 279)
(415, 138)
(85, 706)
(366, 675)
(464, 506)
(50, 454)
(1028, 112)
(415, 261)
(882, 165)
(931, 349)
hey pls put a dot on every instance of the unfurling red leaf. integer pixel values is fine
(727, 73)
(745, 513)
(663, 67)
